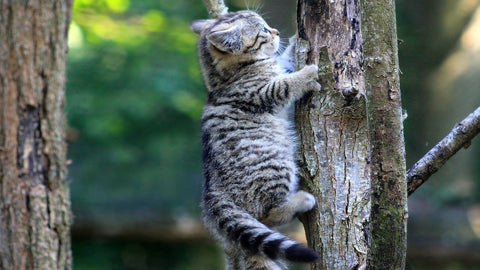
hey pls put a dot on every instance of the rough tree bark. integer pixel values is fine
(215, 8)
(388, 216)
(344, 158)
(35, 213)
(332, 127)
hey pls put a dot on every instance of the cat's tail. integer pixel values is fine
(240, 228)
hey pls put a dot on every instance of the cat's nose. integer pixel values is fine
(275, 32)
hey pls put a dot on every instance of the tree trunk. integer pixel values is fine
(340, 152)
(388, 216)
(35, 210)
(332, 126)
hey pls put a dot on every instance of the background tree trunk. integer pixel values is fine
(35, 210)
(333, 133)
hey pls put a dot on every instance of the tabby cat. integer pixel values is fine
(248, 149)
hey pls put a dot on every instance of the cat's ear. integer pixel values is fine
(226, 38)
(197, 26)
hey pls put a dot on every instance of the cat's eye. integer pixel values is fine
(265, 29)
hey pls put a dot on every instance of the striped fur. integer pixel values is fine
(248, 149)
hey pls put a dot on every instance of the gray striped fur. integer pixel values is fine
(249, 164)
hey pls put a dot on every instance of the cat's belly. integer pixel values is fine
(255, 162)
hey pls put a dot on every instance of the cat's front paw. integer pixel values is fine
(310, 72)
(311, 75)
(314, 86)
(292, 41)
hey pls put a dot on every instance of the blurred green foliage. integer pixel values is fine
(123, 254)
(134, 95)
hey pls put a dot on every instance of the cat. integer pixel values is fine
(248, 149)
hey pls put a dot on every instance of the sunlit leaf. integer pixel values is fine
(118, 5)
(75, 36)
(154, 21)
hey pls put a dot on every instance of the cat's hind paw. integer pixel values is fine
(307, 201)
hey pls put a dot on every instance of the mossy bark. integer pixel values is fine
(332, 127)
(35, 215)
(388, 217)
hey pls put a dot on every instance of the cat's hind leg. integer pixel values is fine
(297, 203)
(234, 258)
(257, 262)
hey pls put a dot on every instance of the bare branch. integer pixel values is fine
(216, 8)
(459, 137)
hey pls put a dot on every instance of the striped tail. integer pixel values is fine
(253, 236)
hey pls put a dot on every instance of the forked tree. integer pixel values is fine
(352, 151)
(35, 215)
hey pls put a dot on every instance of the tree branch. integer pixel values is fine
(216, 8)
(459, 137)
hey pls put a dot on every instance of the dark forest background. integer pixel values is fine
(134, 99)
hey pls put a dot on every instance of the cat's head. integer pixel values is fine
(239, 33)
